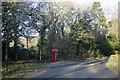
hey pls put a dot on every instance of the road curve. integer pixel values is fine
(74, 69)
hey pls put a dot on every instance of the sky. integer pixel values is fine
(110, 7)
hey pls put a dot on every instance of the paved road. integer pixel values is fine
(74, 69)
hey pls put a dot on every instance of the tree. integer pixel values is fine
(99, 20)
(79, 30)
(100, 29)
(14, 13)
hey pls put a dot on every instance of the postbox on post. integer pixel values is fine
(54, 55)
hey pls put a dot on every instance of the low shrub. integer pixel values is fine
(113, 63)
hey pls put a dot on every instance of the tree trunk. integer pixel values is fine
(78, 51)
(15, 48)
(78, 48)
(40, 55)
(62, 29)
(27, 42)
(42, 41)
(6, 56)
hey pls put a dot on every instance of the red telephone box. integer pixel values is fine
(54, 55)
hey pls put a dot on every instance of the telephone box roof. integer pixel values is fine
(54, 50)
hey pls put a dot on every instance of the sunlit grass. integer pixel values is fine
(36, 66)
(13, 67)
(21, 72)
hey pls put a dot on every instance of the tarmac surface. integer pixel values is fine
(74, 69)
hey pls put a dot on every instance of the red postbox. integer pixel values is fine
(54, 55)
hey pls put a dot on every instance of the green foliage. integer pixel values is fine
(92, 54)
(98, 53)
(116, 52)
(114, 44)
(98, 14)
(109, 24)
(102, 20)
(63, 28)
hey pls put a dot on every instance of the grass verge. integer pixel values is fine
(113, 63)
(21, 72)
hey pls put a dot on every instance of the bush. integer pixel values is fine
(116, 52)
(113, 63)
